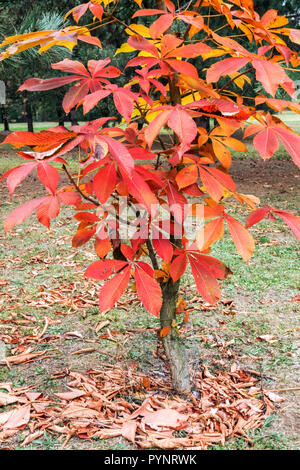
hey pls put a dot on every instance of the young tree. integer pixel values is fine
(172, 172)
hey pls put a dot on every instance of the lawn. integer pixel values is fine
(254, 327)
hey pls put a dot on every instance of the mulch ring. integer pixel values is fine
(115, 402)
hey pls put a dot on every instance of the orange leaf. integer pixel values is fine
(242, 239)
(165, 331)
(212, 232)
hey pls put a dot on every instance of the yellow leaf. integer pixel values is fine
(124, 48)
(240, 81)
(139, 29)
(214, 53)
(139, 2)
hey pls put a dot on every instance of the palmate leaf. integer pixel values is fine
(270, 74)
(290, 219)
(91, 80)
(267, 136)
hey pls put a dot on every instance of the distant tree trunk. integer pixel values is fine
(29, 119)
(73, 118)
(61, 116)
(5, 118)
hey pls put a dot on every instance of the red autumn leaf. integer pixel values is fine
(187, 176)
(178, 267)
(48, 175)
(256, 216)
(155, 126)
(113, 290)
(39, 141)
(161, 25)
(270, 74)
(206, 283)
(183, 125)
(15, 176)
(225, 67)
(142, 44)
(82, 236)
(21, 213)
(104, 182)
(177, 203)
(266, 143)
(163, 248)
(148, 291)
(102, 246)
(49, 209)
(102, 270)
(87, 82)
(211, 185)
(141, 191)
(120, 154)
(291, 220)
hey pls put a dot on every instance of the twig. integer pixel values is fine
(152, 254)
(93, 201)
(288, 389)
(233, 79)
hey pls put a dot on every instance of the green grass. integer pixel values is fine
(38, 126)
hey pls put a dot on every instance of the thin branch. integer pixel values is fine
(93, 201)
(233, 79)
(189, 26)
(152, 254)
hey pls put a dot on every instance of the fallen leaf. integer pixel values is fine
(129, 430)
(7, 399)
(274, 397)
(18, 418)
(74, 393)
(166, 418)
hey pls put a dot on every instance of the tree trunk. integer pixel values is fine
(5, 118)
(29, 119)
(173, 344)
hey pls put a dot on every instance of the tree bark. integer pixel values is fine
(173, 344)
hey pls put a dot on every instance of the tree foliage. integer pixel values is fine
(173, 171)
